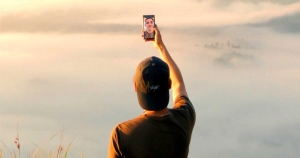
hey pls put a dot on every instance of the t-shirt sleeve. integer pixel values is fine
(183, 103)
(114, 150)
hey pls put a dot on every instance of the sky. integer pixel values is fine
(68, 66)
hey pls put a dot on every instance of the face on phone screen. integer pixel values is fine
(148, 25)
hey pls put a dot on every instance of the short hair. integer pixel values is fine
(149, 18)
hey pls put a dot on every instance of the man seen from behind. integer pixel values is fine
(159, 132)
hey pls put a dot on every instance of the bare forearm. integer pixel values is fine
(178, 86)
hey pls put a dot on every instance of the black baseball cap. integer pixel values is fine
(152, 80)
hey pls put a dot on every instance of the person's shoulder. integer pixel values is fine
(181, 101)
(183, 105)
(129, 124)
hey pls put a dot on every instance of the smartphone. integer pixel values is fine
(148, 25)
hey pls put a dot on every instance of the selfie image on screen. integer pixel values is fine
(148, 26)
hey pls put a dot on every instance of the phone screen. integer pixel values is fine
(148, 25)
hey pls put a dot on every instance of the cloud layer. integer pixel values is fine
(126, 19)
(229, 2)
(60, 21)
(286, 24)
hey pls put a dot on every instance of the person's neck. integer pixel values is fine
(149, 31)
(162, 112)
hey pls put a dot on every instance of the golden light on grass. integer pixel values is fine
(40, 152)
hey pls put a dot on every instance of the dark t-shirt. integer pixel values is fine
(155, 136)
(148, 35)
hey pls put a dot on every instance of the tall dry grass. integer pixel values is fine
(40, 152)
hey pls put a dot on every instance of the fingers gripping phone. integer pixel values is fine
(148, 25)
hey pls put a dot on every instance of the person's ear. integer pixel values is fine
(134, 85)
(170, 84)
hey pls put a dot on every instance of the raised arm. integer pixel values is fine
(178, 87)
